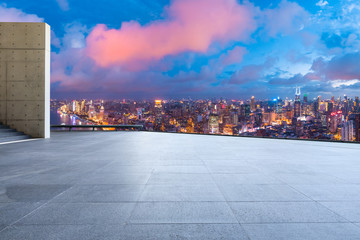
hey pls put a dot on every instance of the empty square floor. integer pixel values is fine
(143, 185)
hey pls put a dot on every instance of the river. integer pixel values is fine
(64, 119)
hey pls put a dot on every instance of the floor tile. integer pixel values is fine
(182, 212)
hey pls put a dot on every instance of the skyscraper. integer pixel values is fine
(305, 104)
(213, 124)
(347, 131)
(158, 114)
(101, 113)
(252, 104)
(297, 104)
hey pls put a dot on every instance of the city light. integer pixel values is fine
(322, 119)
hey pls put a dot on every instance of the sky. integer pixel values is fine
(234, 49)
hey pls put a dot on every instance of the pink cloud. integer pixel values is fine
(191, 25)
(234, 55)
(16, 15)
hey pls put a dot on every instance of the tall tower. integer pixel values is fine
(297, 93)
(252, 104)
(297, 105)
(101, 113)
(158, 114)
(305, 104)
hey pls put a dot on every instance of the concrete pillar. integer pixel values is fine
(25, 77)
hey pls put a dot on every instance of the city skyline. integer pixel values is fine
(336, 119)
(176, 49)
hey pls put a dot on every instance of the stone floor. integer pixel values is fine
(141, 185)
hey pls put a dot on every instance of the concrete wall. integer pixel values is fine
(25, 77)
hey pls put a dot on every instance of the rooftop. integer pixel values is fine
(143, 185)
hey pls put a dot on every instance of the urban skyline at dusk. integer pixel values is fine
(335, 119)
(198, 49)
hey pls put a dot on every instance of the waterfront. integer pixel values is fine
(57, 118)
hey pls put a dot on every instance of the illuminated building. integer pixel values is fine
(77, 107)
(158, 104)
(234, 117)
(82, 107)
(139, 113)
(279, 106)
(158, 114)
(356, 120)
(297, 104)
(91, 112)
(335, 119)
(190, 126)
(213, 124)
(252, 104)
(101, 114)
(345, 108)
(305, 104)
(289, 112)
(347, 131)
(320, 120)
(228, 130)
(73, 106)
(357, 127)
(245, 111)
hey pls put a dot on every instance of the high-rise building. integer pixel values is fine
(347, 131)
(357, 105)
(213, 124)
(279, 108)
(345, 108)
(77, 107)
(330, 107)
(158, 114)
(357, 127)
(305, 104)
(139, 112)
(82, 107)
(91, 111)
(101, 113)
(297, 104)
(234, 117)
(333, 123)
(245, 111)
(73, 105)
(252, 104)
(356, 120)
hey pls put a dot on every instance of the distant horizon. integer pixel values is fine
(205, 98)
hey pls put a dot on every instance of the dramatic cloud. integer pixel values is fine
(16, 15)
(190, 25)
(344, 67)
(200, 48)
